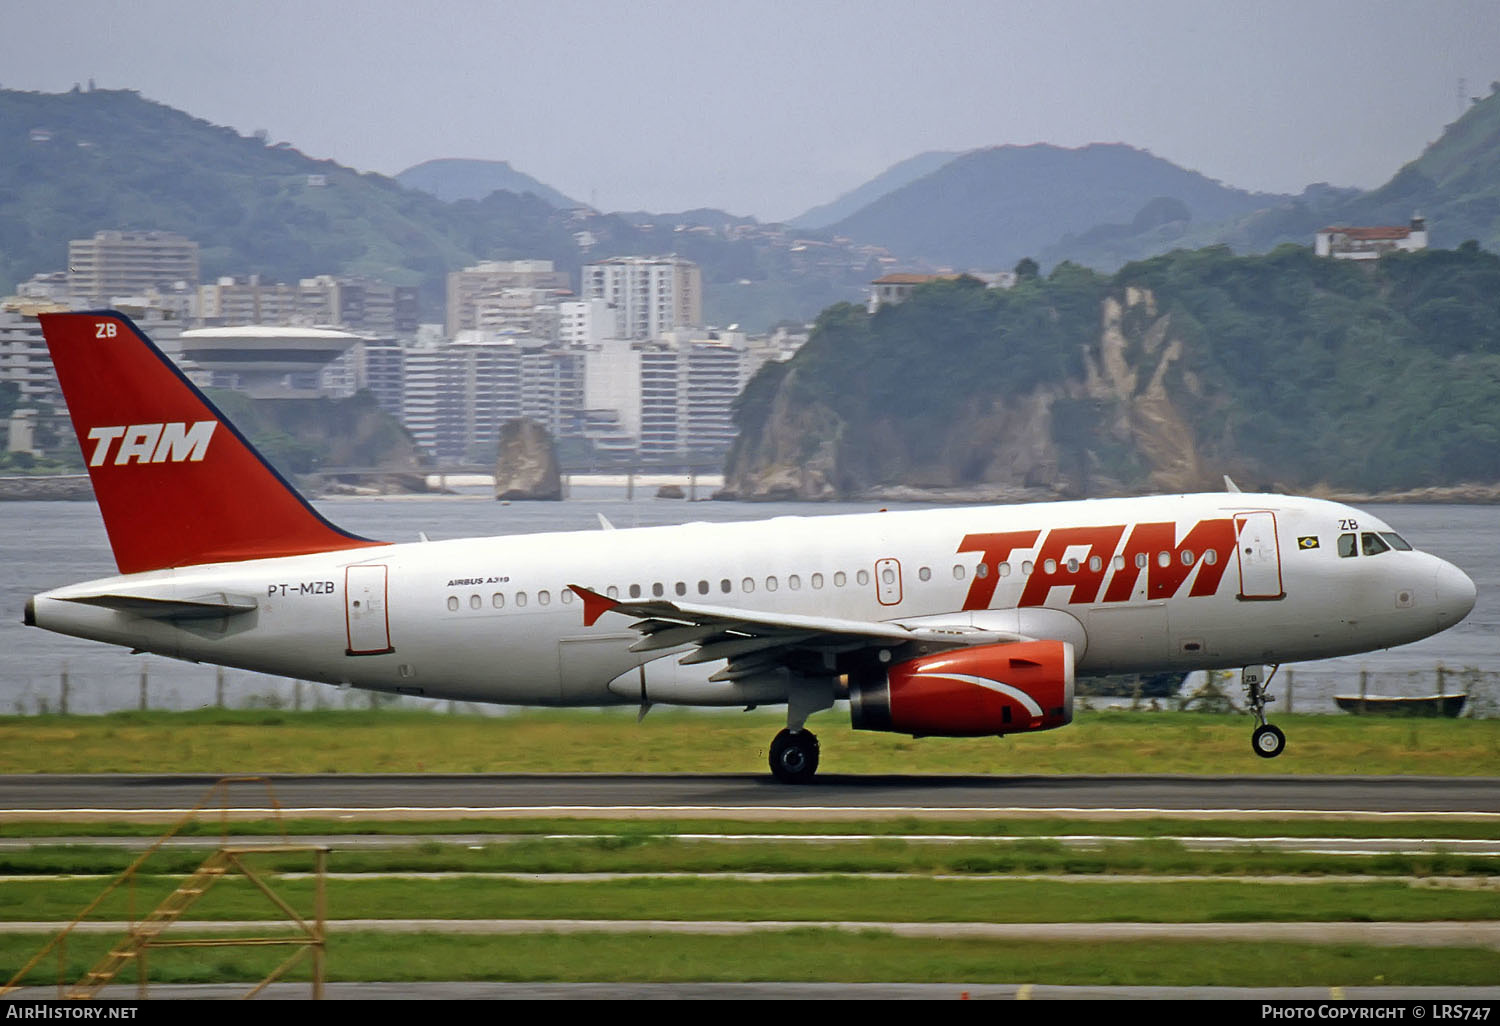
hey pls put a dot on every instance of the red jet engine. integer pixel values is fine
(970, 692)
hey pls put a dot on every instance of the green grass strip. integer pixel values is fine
(391, 741)
(809, 899)
(807, 955)
(617, 854)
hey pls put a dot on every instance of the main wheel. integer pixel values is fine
(794, 756)
(1268, 741)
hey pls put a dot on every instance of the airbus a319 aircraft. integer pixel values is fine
(956, 622)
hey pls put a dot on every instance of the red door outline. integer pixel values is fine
(367, 616)
(889, 594)
(1260, 584)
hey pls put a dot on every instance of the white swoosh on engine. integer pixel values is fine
(993, 685)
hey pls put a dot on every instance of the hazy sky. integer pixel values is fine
(768, 107)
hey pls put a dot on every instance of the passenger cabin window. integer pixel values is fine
(702, 587)
(635, 591)
(839, 579)
(520, 598)
(725, 586)
(1348, 545)
(817, 581)
(1373, 544)
(498, 600)
(794, 582)
(453, 603)
(863, 577)
(543, 597)
(748, 584)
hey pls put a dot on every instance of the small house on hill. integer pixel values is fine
(1343, 243)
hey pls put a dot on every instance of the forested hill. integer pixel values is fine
(80, 162)
(84, 161)
(1283, 370)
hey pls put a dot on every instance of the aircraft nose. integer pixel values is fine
(1455, 594)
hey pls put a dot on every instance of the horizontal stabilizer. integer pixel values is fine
(201, 608)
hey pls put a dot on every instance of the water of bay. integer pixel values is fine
(47, 544)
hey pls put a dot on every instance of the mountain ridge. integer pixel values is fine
(988, 208)
(451, 179)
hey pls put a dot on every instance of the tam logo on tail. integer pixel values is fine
(145, 432)
(152, 443)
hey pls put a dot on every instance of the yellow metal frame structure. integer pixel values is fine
(145, 933)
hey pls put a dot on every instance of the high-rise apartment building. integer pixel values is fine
(458, 394)
(650, 295)
(114, 264)
(674, 395)
(491, 277)
(235, 301)
(365, 305)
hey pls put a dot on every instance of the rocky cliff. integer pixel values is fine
(1116, 427)
(1286, 371)
(527, 467)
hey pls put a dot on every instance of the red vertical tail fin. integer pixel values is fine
(177, 484)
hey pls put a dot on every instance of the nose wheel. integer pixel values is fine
(1267, 741)
(794, 756)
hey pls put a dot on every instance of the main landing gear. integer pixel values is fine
(1267, 741)
(794, 756)
(794, 751)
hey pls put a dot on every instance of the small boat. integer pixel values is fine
(1392, 705)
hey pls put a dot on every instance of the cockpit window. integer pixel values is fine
(1373, 544)
(1397, 542)
(1348, 545)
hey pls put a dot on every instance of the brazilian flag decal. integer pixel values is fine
(1307, 542)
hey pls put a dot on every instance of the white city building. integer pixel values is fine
(649, 295)
(114, 264)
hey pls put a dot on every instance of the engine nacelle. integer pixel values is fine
(970, 692)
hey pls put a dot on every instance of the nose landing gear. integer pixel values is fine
(1267, 741)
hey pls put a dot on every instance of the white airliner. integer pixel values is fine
(955, 622)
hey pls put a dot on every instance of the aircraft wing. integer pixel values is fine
(752, 640)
